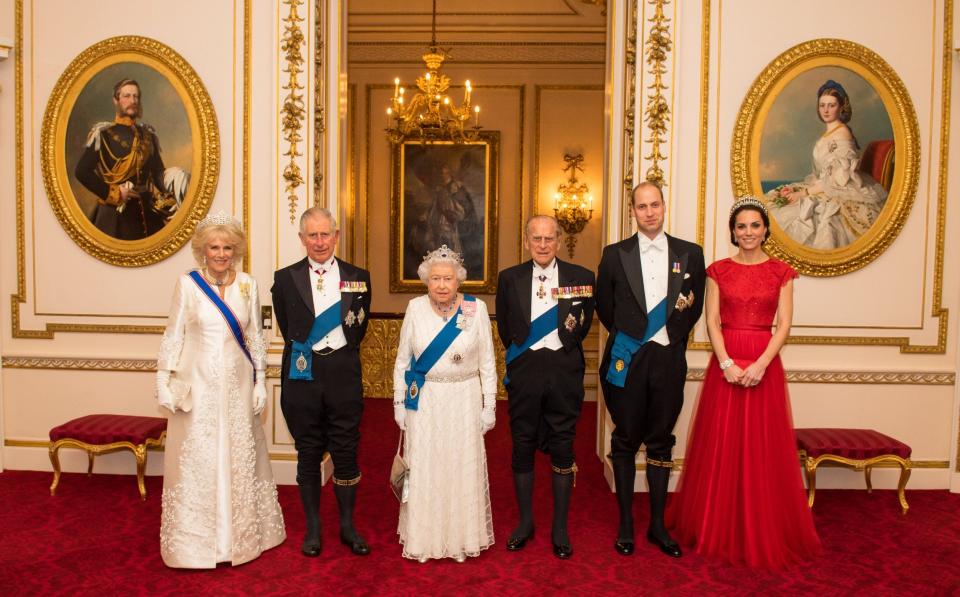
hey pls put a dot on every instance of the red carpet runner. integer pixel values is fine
(97, 538)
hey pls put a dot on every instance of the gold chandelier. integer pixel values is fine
(431, 115)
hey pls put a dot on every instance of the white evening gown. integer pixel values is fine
(448, 512)
(219, 498)
(850, 202)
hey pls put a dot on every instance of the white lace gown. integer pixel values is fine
(447, 514)
(851, 200)
(219, 498)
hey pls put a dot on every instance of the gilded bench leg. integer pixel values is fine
(90, 457)
(55, 461)
(866, 474)
(902, 485)
(810, 469)
(140, 451)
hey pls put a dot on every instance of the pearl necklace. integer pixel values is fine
(214, 281)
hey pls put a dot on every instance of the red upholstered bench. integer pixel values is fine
(100, 434)
(861, 449)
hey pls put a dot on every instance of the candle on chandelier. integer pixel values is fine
(389, 114)
(466, 93)
(396, 87)
(476, 114)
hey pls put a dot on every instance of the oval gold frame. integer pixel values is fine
(745, 151)
(205, 167)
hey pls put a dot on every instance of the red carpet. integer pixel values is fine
(98, 538)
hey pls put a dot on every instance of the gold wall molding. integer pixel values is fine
(245, 184)
(657, 111)
(893, 378)
(319, 111)
(702, 158)
(293, 111)
(79, 364)
(630, 101)
(531, 53)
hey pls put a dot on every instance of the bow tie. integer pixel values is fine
(659, 243)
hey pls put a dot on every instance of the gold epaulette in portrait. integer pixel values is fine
(571, 292)
(353, 286)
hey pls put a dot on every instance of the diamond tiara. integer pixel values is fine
(444, 253)
(221, 218)
(748, 200)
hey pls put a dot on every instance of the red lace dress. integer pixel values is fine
(740, 495)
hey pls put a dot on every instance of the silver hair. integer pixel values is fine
(526, 227)
(442, 256)
(317, 212)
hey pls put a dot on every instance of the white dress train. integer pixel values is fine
(447, 514)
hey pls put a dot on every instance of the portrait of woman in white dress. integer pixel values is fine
(837, 203)
(219, 498)
(445, 386)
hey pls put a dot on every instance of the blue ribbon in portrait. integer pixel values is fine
(416, 375)
(301, 357)
(625, 346)
(227, 314)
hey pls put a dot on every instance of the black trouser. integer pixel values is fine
(323, 415)
(545, 395)
(645, 410)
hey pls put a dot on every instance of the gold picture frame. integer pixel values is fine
(895, 165)
(81, 105)
(445, 193)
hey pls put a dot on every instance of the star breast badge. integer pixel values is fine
(570, 322)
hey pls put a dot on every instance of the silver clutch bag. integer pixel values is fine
(400, 475)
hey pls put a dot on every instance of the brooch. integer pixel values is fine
(570, 322)
(301, 363)
(619, 365)
(456, 357)
(414, 390)
(461, 322)
(684, 302)
(244, 289)
(350, 319)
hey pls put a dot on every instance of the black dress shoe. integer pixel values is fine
(624, 547)
(311, 549)
(562, 551)
(668, 547)
(358, 546)
(518, 543)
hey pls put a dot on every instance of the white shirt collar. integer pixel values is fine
(658, 242)
(537, 270)
(321, 266)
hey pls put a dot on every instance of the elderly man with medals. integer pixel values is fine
(649, 296)
(322, 305)
(445, 389)
(544, 311)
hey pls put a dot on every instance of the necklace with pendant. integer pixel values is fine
(445, 310)
(214, 281)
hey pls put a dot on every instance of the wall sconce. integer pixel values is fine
(573, 206)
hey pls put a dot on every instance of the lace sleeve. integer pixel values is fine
(404, 353)
(488, 359)
(171, 345)
(256, 343)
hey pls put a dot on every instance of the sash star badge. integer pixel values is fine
(350, 319)
(619, 365)
(361, 316)
(570, 322)
(684, 302)
(581, 318)
(301, 363)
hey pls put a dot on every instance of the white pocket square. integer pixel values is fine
(686, 275)
(575, 303)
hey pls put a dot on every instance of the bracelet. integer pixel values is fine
(395, 403)
(726, 364)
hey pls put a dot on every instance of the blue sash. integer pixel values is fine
(624, 346)
(228, 316)
(416, 375)
(301, 357)
(539, 328)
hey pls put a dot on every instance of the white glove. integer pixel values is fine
(164, 397)
(260, 393)
(488, 416)
(400, 415)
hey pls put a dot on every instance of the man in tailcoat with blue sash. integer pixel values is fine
(322, 306)
(544, 311)
(649, 296)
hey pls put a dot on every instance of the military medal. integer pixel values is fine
(301, 363)
(570, 322)
(320, 273)
(541, 292)
(619, 365)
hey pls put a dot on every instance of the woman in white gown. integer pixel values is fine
(837, 203)
(445, 406)
(219, 498)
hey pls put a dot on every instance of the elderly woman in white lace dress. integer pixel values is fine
(837, 203)
(445, 386)
(219, 498)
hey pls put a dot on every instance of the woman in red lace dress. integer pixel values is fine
(740, 496)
